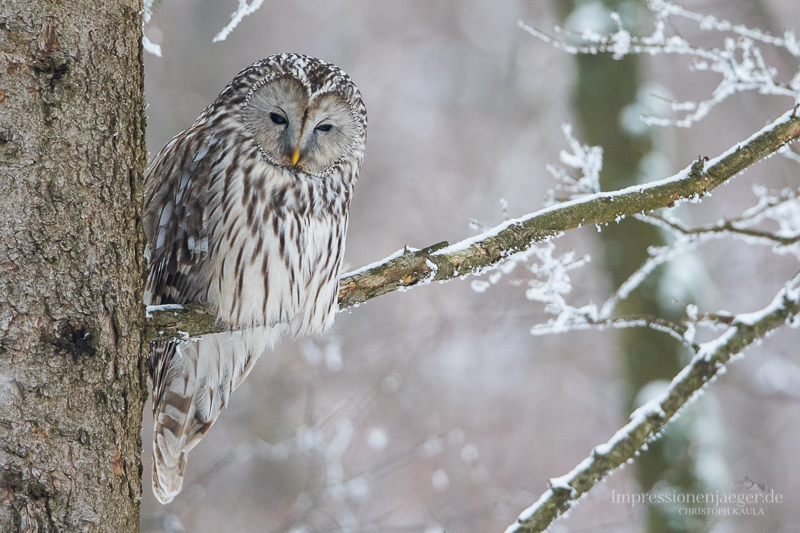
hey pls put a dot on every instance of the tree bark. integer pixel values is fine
(72, 156)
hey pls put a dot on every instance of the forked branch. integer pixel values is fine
(648, 421)
(442, 262)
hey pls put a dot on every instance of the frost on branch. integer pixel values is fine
(780, 210)
(241, 12)
(551, 280)
(510, 240)
(738, 59)
(550, 284)
(781, 207)
(774, 221)
(648, 421)
(587, 159)
(148, 8)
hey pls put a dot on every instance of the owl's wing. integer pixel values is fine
(177, 198)
(191, 378)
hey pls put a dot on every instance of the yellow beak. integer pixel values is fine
(296, 156)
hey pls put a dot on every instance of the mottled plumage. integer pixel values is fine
(246, 211)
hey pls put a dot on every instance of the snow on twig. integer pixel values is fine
(241, 12)
(488, 251)
(739, 61)
(709, 22)
(150, 47)
(587, 159)
(148, 7)
(648, 421)
(551, 282)
(782, 207)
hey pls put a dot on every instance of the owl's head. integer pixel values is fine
(304, 113)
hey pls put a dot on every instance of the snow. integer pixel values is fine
(440, 480)
(469, 454)
(654, 405)
(311, 352)
(244, 9)
(377, 439)
(480, 286)
(739, 61)
(430, 448)
(147, 13)
(590, 162)
(527, 513)
(434, 269)
(561, 483)
(780, 376)
(333, 357)
(587, 159)
(391, 383)
(790, 291)
(456, 436)
(610, 196)
(788, 153)
(358, 490)
(150, 47)
(709, 22)
(158, 308)
(383, 261)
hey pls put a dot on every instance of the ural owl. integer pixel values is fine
(246, 212)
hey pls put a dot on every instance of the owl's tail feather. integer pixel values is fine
(192, 382)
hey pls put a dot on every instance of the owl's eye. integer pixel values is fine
(324, 127)
(277, 119)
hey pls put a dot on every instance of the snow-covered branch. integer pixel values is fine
(148, 6)
(241, 12)
(739, 60)
(587, 159)
(485, 252)
(649, 420)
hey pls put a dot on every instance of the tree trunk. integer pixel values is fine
(604, 87)
(72, 155)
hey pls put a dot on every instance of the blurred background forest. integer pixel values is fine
(436, 409)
